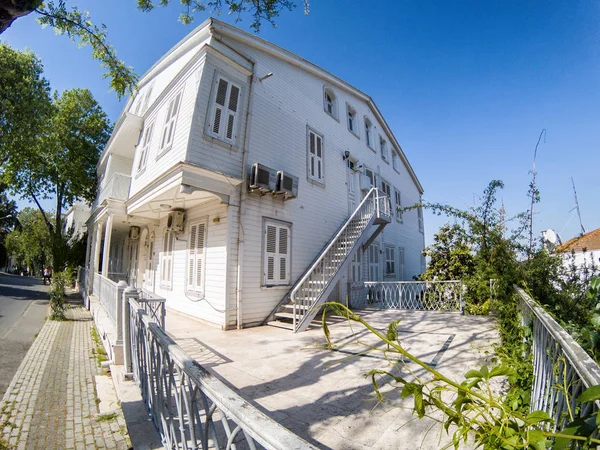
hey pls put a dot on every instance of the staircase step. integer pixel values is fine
(280, 324)
(285, 315)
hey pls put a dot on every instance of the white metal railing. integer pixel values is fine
(108, 297)
(306, 293)
(561, 368)
(190, 407)
(418, 295)
(116, 188)
(154, 306)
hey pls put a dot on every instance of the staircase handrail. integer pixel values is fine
(374, 191)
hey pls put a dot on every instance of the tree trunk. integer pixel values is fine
(58, 246)
(10, 10)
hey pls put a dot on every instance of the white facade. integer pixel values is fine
(218, 102)
(76, 217)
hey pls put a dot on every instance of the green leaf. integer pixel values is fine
(579, 427)
(501, 370)
(589, 395)
(538, 416)
(473, 374)
(537, 440)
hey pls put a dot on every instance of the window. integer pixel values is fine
(400, 263)
(149, 273)
(315, 157)
(169, 129)
(166, 271)
(370, 175)
(196, 257)
(276, 255)
(369, 133)
(225, 110)
(420, 213)
(355, 267)
(390, 261)
(352, 125)
(383, 148)
(330, 103)
(398, 198)
(146, 140)
(386, 188)
(395, 161)
(147, 98)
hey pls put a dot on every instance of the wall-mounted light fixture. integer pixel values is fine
(346, 155)
(264, 77)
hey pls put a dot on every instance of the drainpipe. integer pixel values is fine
(243, 191)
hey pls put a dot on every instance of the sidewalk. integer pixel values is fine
(52, 402)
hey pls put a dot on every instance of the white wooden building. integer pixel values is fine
(175, 214)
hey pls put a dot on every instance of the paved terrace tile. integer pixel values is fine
(51, 402)
(323, 396)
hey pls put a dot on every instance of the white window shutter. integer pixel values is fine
(200, 246)
(220, 99)
(234, 95)
(283, 254)
(192, 257)
(270, 253)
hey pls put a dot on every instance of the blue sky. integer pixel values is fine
(466, 86)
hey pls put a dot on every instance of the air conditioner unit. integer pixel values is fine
(134, 233)
(287, 185)
(367, 180)
(262, 178)
(176, 221)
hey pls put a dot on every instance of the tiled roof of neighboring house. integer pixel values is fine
(588, 242)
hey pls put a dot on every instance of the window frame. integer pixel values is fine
(146, 144)
(167, 255)
(313, 178)
(276, 281)
(221, 134)
(333, 101)
(352, 114)
(420, 219)
(383, 150)
(389, 192)
(395, 160)
(196, 286)
(369, 133)
(387, 261)
(398, 203)
(170, 122)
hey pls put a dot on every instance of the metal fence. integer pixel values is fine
(190, 407)
(562, 369)
(418, 295)
(154, 306)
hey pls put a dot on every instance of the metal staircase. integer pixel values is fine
(299, 307)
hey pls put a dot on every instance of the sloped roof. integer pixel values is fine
(588, 242)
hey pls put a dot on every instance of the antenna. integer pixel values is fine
(578, 211)
(534, 195)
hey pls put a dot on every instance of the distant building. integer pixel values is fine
(584, 249)
(76, 217)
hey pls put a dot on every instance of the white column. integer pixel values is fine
(97, 242)
(107, 236)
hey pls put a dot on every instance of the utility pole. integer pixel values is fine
(533, 191)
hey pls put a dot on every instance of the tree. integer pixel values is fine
(25, 102)
(30, 243)
(450, 256)
(79, 27)
(62, 165)
(8, 220)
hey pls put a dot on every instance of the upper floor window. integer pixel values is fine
(330, 102)
(276, 253)
(370, 176)
(168, 132)
(390, 261)
(315, 167)
(147, 98)
(395, 161)
(146, 141)
(383, 148)
(224, 113)
(420, 213)
(352, 125)
(369, 133)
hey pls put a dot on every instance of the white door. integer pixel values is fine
(352, 181)
(374, 267)
(133, 262)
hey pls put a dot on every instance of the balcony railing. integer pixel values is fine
(561, 368)
(115, 188)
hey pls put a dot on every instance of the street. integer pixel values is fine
(23, 308)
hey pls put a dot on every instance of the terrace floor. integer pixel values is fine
(323, 396)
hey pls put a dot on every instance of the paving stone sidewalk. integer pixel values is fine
(51, 402)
